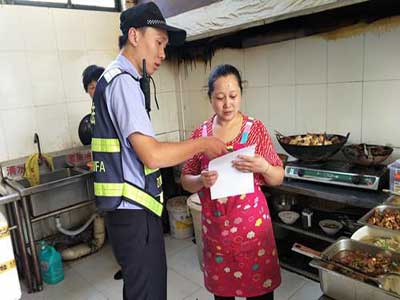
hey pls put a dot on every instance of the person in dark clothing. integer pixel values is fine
(90, 76)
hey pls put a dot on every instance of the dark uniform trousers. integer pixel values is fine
(137, 241)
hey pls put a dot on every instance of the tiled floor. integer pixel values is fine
(90, 278)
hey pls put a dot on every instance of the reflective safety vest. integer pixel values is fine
(110, 186)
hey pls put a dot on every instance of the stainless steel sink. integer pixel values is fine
(58, 189)
(49, 181)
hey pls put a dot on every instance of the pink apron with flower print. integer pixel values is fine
(239, 255)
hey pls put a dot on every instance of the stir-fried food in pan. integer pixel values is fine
(311, 139)
(369, 264)
(388, 218)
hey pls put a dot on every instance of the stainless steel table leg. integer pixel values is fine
(31, 240)
(22, 247)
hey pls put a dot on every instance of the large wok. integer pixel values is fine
(312, 153)
(366, 155)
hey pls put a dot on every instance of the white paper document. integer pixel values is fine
(230, 181)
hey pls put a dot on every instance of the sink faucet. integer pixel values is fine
(37, 141)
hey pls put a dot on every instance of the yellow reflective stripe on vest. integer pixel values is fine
(105, 145)
(148, 171)
(130, 192)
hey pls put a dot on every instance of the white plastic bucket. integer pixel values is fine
(180, 221)
(9, 281)
(195, 209)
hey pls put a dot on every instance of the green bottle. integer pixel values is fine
(50, 264)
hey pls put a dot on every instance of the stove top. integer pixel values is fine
(338, 172)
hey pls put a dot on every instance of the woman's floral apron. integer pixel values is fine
(239, 255)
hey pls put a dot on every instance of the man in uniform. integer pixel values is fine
(126, 155)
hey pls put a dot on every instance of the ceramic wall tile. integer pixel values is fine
(194, 76)
(344, 110)
(19, 126)
(47, 85)
(15, 81)
(166, 76)
(168, 107)
(281, 58)
(72, 65)
(68, 26)
(217, 59)
(311, 58)
(311, 108)
(101, 30)
(255, 103)
(10, 21)
(345, 59)
(381, 109)
(234, 57)
(282, 112)
(197, 109)
(255, 71)
(39, 31)
(52, 127)
(382, 55)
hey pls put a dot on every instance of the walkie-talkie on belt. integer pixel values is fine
(145, 87)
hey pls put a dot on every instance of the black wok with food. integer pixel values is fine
(312, 147)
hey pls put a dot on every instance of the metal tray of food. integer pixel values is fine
(350, 244)
(393, 201)
(379, 237)
(379, 209)
(367, 274)
(341, 286)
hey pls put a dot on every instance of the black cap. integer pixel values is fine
(148, 14)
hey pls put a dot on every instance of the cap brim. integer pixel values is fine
(176, 36)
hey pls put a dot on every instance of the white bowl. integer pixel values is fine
(288, 217)
(330, 227)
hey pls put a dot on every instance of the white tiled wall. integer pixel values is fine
(43, 52)
(312, 84)
(309, 84)
(41, 64)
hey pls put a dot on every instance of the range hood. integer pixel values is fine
(228, 16)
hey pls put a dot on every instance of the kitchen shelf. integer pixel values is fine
(313, 232)
(347, 195)
(294, 261)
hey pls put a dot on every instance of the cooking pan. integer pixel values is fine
(85, 130)
(312, 153)
(365, 154)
